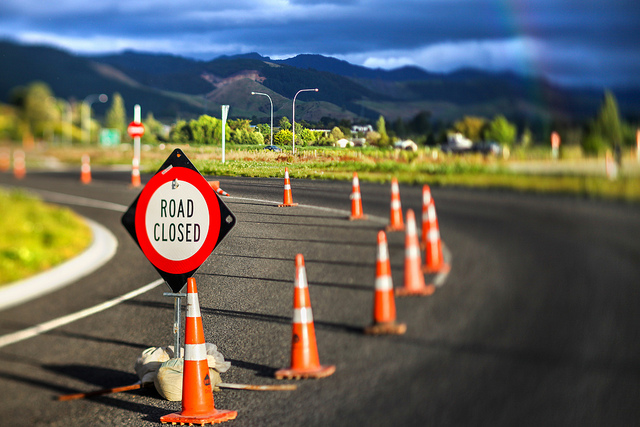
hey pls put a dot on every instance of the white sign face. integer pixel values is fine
(177, 220)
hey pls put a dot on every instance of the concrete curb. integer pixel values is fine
(101, 250)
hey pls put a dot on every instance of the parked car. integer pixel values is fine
(274, 148)
(487, 147)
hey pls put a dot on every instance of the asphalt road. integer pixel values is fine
(537, 323)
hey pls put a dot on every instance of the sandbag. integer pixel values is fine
(168, 381)
(158, 365)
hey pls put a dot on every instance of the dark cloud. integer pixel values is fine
(575, 41)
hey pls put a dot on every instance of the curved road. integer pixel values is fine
(537, 323)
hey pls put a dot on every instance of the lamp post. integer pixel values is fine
(293, 125)
(260, 93)
(86, 116)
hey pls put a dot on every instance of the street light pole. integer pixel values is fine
(260, 93)
(86, 116)
(293, 125)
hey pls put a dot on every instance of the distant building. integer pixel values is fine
(361, 129)
(344, 143)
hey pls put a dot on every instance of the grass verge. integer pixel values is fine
(36, 236)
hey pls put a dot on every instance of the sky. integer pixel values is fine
(571, 42)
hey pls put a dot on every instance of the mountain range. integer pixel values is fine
(178, 87)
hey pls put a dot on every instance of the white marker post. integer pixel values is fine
(555, 145)
(136, 130)
(225, 112)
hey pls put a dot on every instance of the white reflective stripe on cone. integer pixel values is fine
(412, 252)
(431, 213)
(433, 235)
(383, 253)
(301, 279)
(384, 283)
(195, 352)
(193, 307)
(302, 315)
(395, 204)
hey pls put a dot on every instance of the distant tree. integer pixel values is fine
(265, 131)
(501, 131)
(606, 130)
(345, 127)
(116, 117)
(154, 130)
(283, 137)
(381, 127)
(400, 128)
(608, 121)
(39, 107)
(336, 134)
(373, 138)
(526, 139)
(181, 133)
(421, 123)
(471, 127)
(284, 123)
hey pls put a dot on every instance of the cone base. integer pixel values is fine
(390, 228)
(386, 328)
(287, 205)
(213, 417)
(355, 218)
(297, 374)
(423, 291)
(442, 268)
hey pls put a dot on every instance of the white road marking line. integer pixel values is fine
(64, 320)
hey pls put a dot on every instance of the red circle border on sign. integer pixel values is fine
(193, 177)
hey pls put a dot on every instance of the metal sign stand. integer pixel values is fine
(176, 321)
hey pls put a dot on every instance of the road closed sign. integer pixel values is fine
(178, 220)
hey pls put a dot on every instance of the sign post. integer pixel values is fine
(225, 112)
(177, 221)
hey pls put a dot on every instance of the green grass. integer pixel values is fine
(376, 165)
(36, 236)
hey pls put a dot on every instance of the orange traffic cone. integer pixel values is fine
(85, 170)
(305, 362)
(413, 277)
(5, 159)
(216, 187)
(135, 173)
(434, 260)
(356, 200)
(19, 164)
(197, 395)
(396, 223)
(384, 303)
(288, 199)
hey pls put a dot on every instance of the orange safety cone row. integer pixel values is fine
(413, 277)
(434, 260)
(135, 173)
(356, 200)
(396, 223)
(19, 164)
(384, 304)
(85, 170)
(197, 394)
(288, 198)
(305, 362)
(216, 187)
